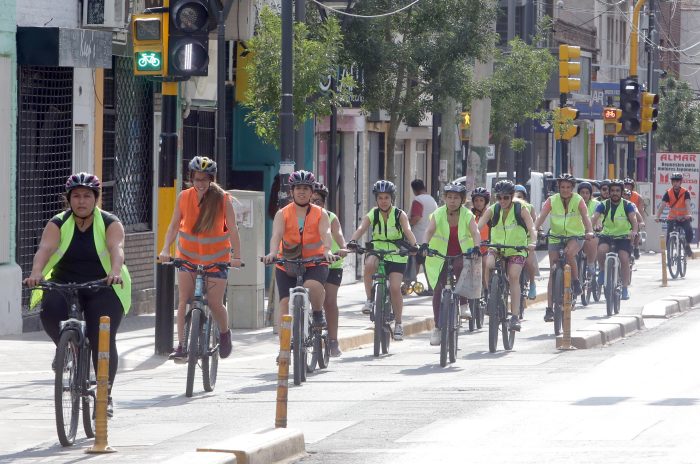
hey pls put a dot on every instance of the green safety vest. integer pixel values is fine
(508, 232)
(334, 246)
(566, 223)
(439, 241)
(100, 239)
(618, 223)
(592, 205)
(387, 230)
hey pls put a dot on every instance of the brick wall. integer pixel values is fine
(47, 13)
(139, 252)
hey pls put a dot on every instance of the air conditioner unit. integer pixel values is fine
(105, 14)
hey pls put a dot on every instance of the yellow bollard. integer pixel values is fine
(101, 445)
(283, 371)
(566, 313)
(664, 272)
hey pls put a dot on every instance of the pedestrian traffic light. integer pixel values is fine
(150, 51)
(564, 126)
(648, 112)
(568, 70)
(611, 118)
(629, 104)
(464, 123)
(188, 38)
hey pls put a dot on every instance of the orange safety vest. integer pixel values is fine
(309, 239)
(485, 232)
(209, 247)
(677, 205)
(636, 198)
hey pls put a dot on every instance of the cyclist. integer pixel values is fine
(590, 247)
(507, 229)
(678, 201)
(480, 202)
(618, 218)
(302, 230)
(604, 190)
(389, 224)
(531, 265)
(636, 199)
(80, 245)
(569, 219)
(452, 230)
(204, 224)
(335, 270)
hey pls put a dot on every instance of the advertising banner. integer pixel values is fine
(689, 165)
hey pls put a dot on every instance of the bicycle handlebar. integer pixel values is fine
(67, 287)
(179, 263)
(380, 253)
(504, 247)
(564, 237)
(469, 255)
(313, 259)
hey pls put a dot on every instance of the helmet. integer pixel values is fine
(384, 186)
(677, 176)
(203, 164)
(566, 177)
(628, 181)
(83, 179)
(481, 192)
(456, 187)
(321, 189)
(504, 186)
(617, 183)
(521, 188)
(302, 178)
(584, 185)
(605, 183)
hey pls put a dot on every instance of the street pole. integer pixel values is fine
(609, 150)
(287, 110)
(167, 173)
(563, 164)
(299, 134)
(651, 49)
(634, 47)
(435, 157)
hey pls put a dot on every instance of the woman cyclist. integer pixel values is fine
(531, 265)
(335, 270)
(590, 247)
(480, 202)
(204, 223)
(80, 245)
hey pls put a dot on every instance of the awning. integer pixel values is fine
(72, 48)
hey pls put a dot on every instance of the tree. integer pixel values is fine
(678, 118)
(415, 59)
(316, 56)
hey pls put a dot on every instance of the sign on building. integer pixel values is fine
(689, 165)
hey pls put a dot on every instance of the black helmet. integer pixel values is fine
(384, 186)
(677, 176)
(83, 179)
(504, 186)
(584, 185)
(566, 177)
(302, 178)
(481, 192)
(321, 190)
(604, 183)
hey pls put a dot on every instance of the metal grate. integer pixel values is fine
(127, 167)
(44, 152)
(198, 137)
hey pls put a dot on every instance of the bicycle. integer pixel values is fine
(201, 341)
(306, 336)
(524, 290)
(74, 373)
(676, 259)
(497, 304)
(477, 307)
(558, 283)
(589, 283)
(613, 278)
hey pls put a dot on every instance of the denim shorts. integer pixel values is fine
(212, 274)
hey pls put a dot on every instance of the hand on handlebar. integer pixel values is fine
(329, 256)
(590, 236)
(352, 245)
(33, 280)
(269, 258)
(114, 278)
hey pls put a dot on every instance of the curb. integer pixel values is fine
(604, 332)
(262, 446)
(203, 458)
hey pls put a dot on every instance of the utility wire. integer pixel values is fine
(340, 12)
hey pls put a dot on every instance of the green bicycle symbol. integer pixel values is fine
(150, 60)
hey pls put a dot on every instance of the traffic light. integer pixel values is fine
(150, 44)
(649, 113)
(188, 38)
(611, 118)
(564, 127)
(568, 70)
(629, 104)
(464, 123)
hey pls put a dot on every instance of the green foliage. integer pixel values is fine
(518, 145)
(679, 118)
(316, 57)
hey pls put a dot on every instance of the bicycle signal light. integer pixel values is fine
(147, 32)
(611, 119)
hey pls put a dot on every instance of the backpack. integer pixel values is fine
(623, 203)
(518, 217)
(397, 216)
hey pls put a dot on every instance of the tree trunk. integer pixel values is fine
(447, 136)
(477, 161)
(395, 116)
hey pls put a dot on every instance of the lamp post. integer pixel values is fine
(287, 108)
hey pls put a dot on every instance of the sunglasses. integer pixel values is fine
(503, 197)
(318, 202)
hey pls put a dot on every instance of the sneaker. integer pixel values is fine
(576, 287)
(514, 323)
(601, 279)
(636, 253)
(532, 292)
(318, 319)
(367, 308)
(465, 312)
(179, 355)
(110, 407)
(548, 315)
(225, 346)
(688, 251)
(435, 337)
(625, 294)
(398, 332)
(335, 349)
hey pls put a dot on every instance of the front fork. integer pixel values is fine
(306, 308)
(612, 258)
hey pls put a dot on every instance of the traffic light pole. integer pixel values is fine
(650, 84)
(564, 149)
(287, 103)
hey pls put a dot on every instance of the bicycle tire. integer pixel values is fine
(524, 282)
(682, 258)
(508, 336)
(386, 334)
(210, 360)
(672, 256)
(88, 400)
(474, 308)
(378, 317)
(558, 299)
(454, 318)
(312, 360)
(481, 307)
(618, 295)
(445, 303)
(492, 310)
(585, 280)
(193, 348)
(297, 334)
(324, 350)
(67, 362)
(610, 289)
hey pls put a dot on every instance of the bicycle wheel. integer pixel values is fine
(585, 280)
(445, 303)
(324, 349)
(378, 317)
(210, 359)
(524, 283)
(672, 256)
(492, 310)
(67, 387)
(610, 288)
(193, 347)
(453, 329)
(88, 394)
(313, 343)
(682, 258)
(481, 308)
(558, 299)
(298, 363)
(385, 334)
(507, 335)
(474, 308)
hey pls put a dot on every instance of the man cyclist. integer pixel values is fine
(388, 224)
(618, 219)
(507, 229)
(335, 270)
(302, 230)
(569, 219)
(677, 199)
(480, 202)
(531, 265)
(451, 231)
(638, 202)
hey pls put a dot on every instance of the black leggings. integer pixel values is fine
(104, 302)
